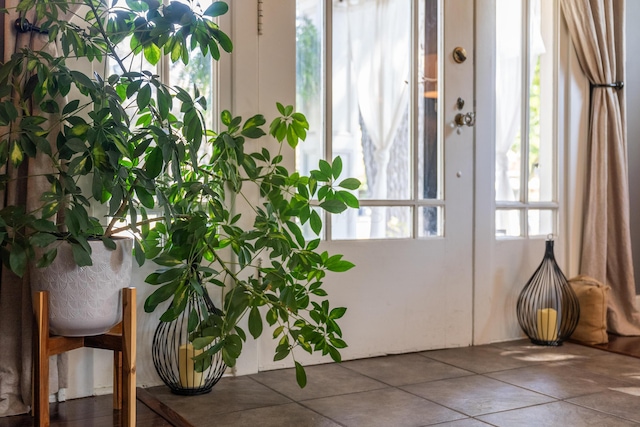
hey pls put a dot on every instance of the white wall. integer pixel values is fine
(632, 89)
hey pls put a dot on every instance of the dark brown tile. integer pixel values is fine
(493, 358)
(554, 414)
(621, 402)
(476, 395)
(467, 422)
(387, 407)
(322, 380)
(228, 395)
(289, 415)
(559, 380)
(404, 369)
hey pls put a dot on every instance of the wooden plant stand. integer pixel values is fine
(121, 340)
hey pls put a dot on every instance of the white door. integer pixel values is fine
(411, 239)
(434, 267)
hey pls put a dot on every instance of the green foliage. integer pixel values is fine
(137, 141)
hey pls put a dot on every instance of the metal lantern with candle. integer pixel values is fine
(548, 309)
(174, 355)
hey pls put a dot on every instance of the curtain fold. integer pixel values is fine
(597, 33)
(16, 318)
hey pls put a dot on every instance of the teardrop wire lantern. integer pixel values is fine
(548, 309)
(172, 352)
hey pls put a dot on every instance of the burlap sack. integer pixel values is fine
(592, 295)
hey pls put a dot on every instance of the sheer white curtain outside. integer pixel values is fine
(597, 33)
(15, 294)
(380, 43)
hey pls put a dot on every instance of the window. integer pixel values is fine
(199, 72)
(367, 79)
(526, 155)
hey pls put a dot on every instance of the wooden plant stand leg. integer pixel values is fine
(121, 340)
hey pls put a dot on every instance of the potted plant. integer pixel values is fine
(132, 144)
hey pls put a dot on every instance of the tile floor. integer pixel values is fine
(509, 384)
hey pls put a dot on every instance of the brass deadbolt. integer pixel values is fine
(459, 55)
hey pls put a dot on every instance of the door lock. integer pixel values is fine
(460, 120)
(468, 119)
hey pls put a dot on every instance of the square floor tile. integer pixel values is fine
(614, 402)
(322, 381)
(559, 414)
(290, 415)
(480, 359)
(613, 365)
(387, 407)
(404, 369)
(476, 395)
(558, 380)
(228, 395)
(467, 422)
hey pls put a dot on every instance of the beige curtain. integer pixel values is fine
(597, 32)
(15, 295)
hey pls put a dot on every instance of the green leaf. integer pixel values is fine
(336, 168)
(337, 312)
(81, 256)
(201, 342)
(315, 222)
(301, 375)
(109, 243)
(193, 321)
(138, 251)
(255, 322)
(333, 206)
(18, 260)
(144, 97)
(160, 295)
(340, 266)
(42, 239)
(349, 199)
(325, 168)
(152, 53)
(350, 184)
(217, 8)
(154, 163)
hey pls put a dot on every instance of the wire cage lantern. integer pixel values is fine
(173, 352)
(548, 309)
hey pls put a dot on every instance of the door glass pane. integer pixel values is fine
(540, 222)
(309, 81)
(371, 93)
(509, 101)
(541, 139)
(508, 223)
(428, 141)
(430, 221)
(395, 223)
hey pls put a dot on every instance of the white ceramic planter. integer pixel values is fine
(85, 301)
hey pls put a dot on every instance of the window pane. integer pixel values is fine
(508, 223)
(429, 221)
(371, 71)
(541, 139)
(509, 103)
(428, 141)
(387, 222)
(309, 82)
(541, 221)
(198, 73)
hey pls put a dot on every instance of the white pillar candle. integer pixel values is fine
(189, 378)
